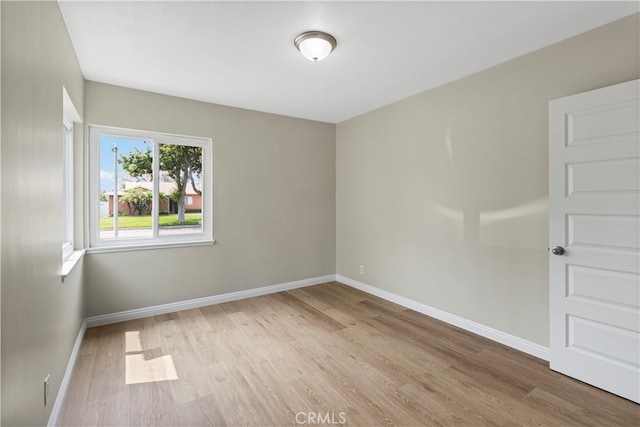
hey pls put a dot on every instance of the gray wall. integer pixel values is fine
(443, 196)
(41, 316)
(273, 205)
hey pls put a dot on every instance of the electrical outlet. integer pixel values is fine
(361, 269)
(46, 390)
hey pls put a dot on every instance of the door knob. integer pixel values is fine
(558, 250)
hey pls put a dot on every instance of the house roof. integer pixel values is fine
(165, 187)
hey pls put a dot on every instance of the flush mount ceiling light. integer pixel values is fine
(315, 45)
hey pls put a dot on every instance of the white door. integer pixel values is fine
(594, 208)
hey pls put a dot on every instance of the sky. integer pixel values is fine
(125, 146)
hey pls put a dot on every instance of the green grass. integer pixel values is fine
(144, 221)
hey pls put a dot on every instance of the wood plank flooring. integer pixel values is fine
(326, 354)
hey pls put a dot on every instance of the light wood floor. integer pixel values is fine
(325, 353)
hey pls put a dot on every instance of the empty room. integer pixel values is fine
(320, 213)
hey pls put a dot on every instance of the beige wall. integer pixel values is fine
(443, 196)
(41, 315)
(273, 205)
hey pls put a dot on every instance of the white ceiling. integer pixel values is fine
(241, 54)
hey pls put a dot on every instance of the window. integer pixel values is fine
(141, 184)
(69, 117)
(67, 190)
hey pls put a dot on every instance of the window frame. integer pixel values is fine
(68, 199)
(70, 118)
(205, 237)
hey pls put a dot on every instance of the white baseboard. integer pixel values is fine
(66, 380)
(512, 341)
(140, 313)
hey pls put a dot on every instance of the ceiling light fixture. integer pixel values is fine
(315, 45)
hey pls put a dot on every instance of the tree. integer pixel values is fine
(138, 200)
(138, 165)
(181, 163)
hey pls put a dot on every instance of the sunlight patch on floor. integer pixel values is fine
(139, 369)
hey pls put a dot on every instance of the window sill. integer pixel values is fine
(70, 263)
(143, 247)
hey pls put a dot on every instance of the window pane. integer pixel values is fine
(125, 165)
(180, 189)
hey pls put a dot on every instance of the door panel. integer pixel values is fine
(585, 282)
(610, 122)
(617, 345)
(603, 176)
(615, 231)
(594, 213)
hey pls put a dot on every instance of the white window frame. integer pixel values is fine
(67, 190)
(205, 237)
(70, 116)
